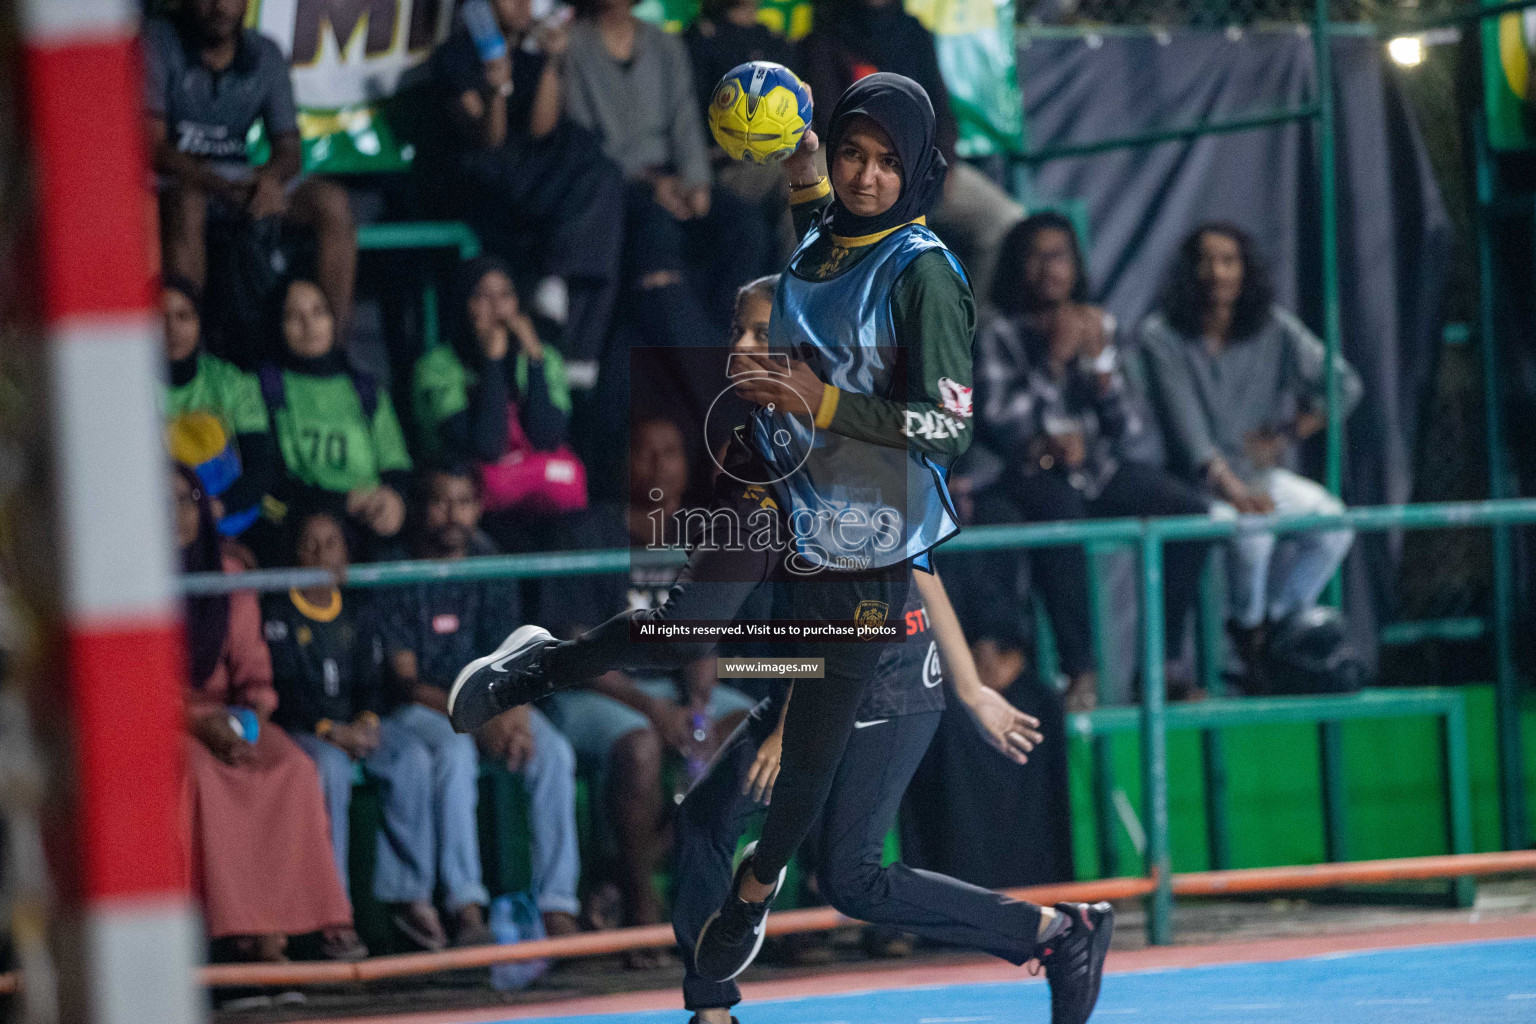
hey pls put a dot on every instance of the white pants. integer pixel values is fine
(1275, 575)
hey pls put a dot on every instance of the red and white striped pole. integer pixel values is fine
(124, 886)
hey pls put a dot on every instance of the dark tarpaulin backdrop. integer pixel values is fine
(1394, 235)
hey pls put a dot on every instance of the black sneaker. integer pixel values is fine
(733, 935)
(1074, 960)
(511, 675)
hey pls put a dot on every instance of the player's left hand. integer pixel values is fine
(765, 768)
(1006, 729)
(794, 393)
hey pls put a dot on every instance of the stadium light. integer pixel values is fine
(1406, 51)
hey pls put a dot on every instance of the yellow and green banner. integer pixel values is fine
(348, 60)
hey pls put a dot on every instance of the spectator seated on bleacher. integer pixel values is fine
(341, 444)
(625, 727)
(327, 666)
(259, 860)
(431, 631)
(725, 35)
(532, 173)
(497, 399)
(689, 247)
(238, 463)
(207, 81)
(1236, 381)
(1053, 406)
(854, 38)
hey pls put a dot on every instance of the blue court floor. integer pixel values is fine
(1463, 983)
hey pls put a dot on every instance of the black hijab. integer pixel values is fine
(185, 369)
(902, 109)
(468, 277)
(329, 365)
(207, 617)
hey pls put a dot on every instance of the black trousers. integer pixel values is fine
(720, 575)
(716, 254)
(866, 792)
(565, 198)
(1060, 574)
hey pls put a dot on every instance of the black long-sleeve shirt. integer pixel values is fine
(327, 660)
(462, 410)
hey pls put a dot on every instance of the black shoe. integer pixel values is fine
(1074, 960)
(695, 1020)
(733, 936)
(511, 675)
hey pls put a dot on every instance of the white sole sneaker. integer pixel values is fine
(460, 698)
(762, 926)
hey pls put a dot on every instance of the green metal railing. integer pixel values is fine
(1148, 536)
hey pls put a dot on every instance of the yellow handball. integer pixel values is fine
(759, 112)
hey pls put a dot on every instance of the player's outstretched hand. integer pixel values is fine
(1006, 729)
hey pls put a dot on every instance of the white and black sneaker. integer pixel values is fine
(1074, 960)
(511, 675)
(733, 935)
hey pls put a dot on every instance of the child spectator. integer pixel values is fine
(497, 398)
(260, 864)
(335, 426)
(632, 84)
(1236, 381)
(199, 382)
(327, 667)
(623, 727)
(855, 38)
(207, 81)
(431, 631)
(530, 171)
(1052, 404)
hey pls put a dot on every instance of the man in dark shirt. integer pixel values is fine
(726, 34)
(430, 630)
(207, 81)
(533, 175)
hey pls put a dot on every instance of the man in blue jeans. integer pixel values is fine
(428, 630)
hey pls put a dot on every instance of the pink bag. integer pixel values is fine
(528, 479)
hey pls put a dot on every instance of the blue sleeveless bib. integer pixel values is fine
(852, 505)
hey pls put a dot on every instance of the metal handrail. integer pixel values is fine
(972, 539)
